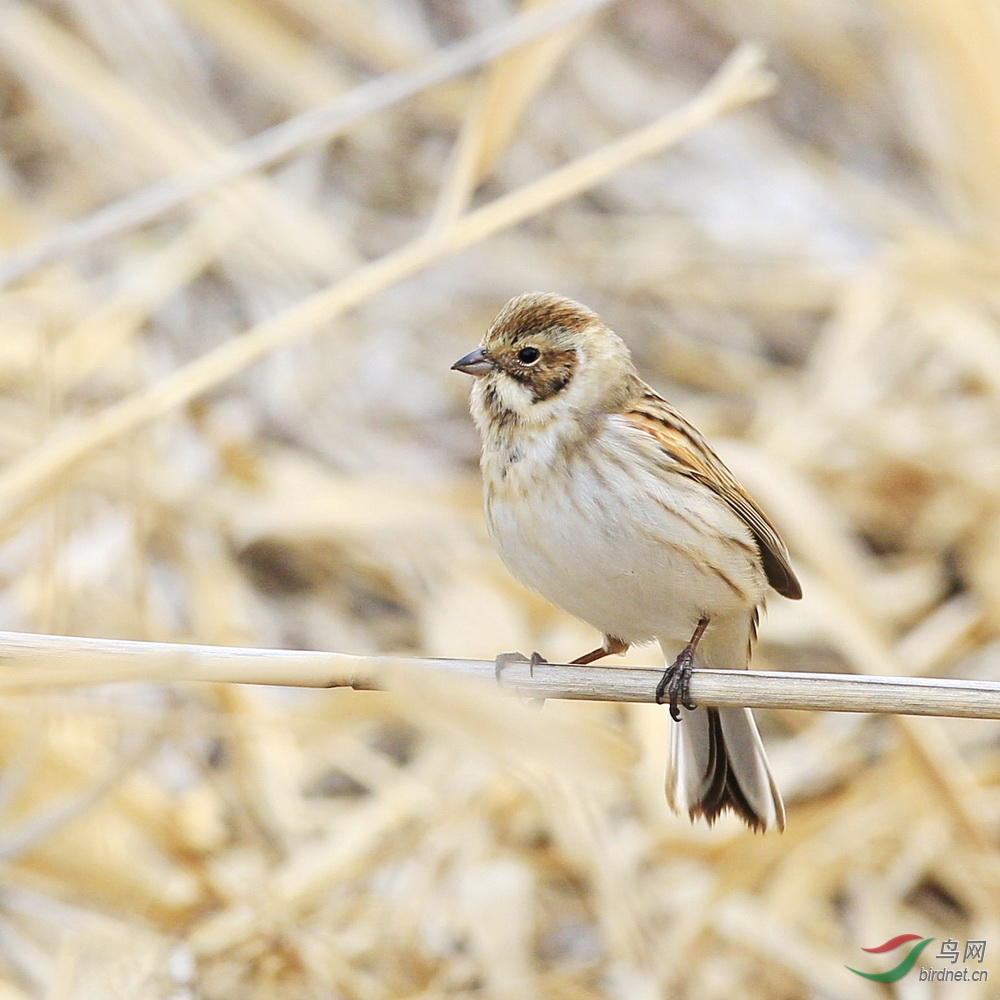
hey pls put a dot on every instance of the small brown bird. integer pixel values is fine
(600, 496)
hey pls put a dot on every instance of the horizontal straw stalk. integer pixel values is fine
(32, 661)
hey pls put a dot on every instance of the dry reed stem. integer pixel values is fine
(502, 97)
(50, 58)
(741, 80)
(962, 43)
(39, 661)
(255, 37)
(310, 127)
(25, 835)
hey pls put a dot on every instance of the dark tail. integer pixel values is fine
(717, 762)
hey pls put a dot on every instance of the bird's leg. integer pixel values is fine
(612, 645)
(594, 654)
(676, 680)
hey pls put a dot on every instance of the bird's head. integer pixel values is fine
(545, 356)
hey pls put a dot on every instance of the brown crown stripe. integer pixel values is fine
(533, 317)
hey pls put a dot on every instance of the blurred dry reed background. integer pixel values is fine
(214, 430)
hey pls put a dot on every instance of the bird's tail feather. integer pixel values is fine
(717, 762)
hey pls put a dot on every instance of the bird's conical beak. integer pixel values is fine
(474, 363)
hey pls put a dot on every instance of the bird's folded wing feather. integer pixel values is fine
(687, 453)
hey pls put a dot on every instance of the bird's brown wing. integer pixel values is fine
(690, 455)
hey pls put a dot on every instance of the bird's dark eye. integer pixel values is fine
(528, 355)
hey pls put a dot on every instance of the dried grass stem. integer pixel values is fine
(30, 661)
(320, 124)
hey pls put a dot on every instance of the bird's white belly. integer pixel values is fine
(635, 557)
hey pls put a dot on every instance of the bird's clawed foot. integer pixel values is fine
(675, 684)
(505, 659)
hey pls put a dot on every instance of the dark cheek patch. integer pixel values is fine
(552, 374)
